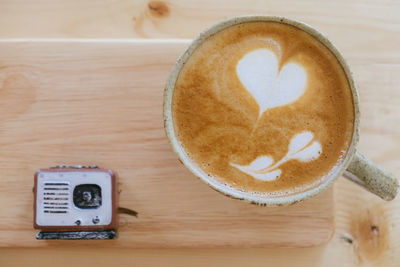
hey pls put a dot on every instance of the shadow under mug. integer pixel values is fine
(355, 166)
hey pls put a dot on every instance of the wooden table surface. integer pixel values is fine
(104, 98)
(368, 35)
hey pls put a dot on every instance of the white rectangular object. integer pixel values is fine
(55, 198)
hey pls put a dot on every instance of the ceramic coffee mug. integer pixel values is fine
(354, 167)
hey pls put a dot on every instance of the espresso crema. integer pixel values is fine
(265, 108)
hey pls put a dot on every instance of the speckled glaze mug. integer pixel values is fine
(354, 166)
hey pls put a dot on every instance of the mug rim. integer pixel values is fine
(212, 182)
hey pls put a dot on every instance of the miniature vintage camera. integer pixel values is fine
(75, 202)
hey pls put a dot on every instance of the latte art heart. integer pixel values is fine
(259, 74)
(258, 71)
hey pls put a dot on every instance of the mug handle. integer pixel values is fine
(375, 179)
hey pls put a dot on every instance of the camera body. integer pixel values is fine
(75, 198)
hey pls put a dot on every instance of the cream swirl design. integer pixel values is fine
(302, 147)
(258, 72)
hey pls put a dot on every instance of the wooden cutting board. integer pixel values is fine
(100, 102)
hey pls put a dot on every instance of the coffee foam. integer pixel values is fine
(302, 147)
(258, 71)
(229, 130)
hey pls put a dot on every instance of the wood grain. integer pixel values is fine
(366, 32)
(100, 103)
(359, 28)
(184, 19)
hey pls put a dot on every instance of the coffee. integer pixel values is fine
(264, 108)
